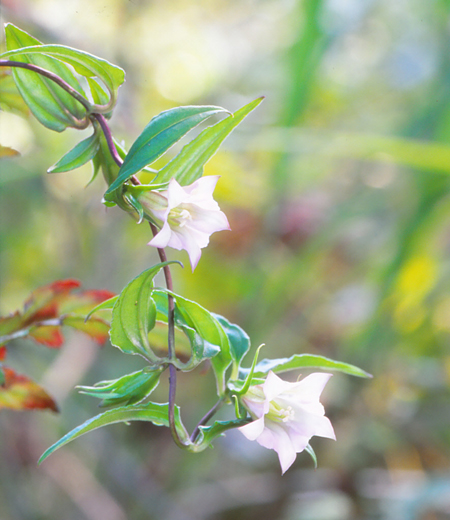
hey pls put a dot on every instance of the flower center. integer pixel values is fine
(179, 217)
(279, 414)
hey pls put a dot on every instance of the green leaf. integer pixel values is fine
(105, 305)
(200, 348)
(163, 131)
(10, 99)
(209, 433)
(129, 389)
(83, 152)
(155, 413)
(237, 337)
(207, 326)
(51, 105)
(84, 64)
(304, 361)
(134, 315)
(2, 375)
(187, 166)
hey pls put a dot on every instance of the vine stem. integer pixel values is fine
(206, 418)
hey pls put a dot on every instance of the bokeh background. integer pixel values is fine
(337, 190)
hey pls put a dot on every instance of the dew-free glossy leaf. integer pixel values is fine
(128, 389)
(206, 325)
(187, 166)
(155, 413)
(82, 153)
(305, 361)
(134, 315)
(84, 64)
(208, 433)
(52, 105)
(237, 337)
(163, 131)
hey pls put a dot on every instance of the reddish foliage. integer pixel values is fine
(21, 393)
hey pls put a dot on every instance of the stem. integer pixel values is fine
(109, 138)
(206, 418)
(170, 345)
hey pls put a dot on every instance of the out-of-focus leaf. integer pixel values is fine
(187, 166)
(134, 315)
(5, 151)
(96, 328)
(128, 389)
(155, 413)
(304, 361)
(48, 335)
(2, 353)
(83, 152)
(18, 392)
(84, 64)
(2, 375)
(51, 105)
(163, 131)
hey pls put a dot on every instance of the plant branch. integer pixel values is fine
(171, 344)
(206, 418)
(109, 138)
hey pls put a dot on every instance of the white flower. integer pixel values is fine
(187, 216)
(286, 415)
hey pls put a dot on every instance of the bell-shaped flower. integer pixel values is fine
(286, 415)
(186, 216)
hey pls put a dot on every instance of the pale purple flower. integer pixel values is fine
(186, 216)
(286, 415)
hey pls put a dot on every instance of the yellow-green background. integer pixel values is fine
(337, 191)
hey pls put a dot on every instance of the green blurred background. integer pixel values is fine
(337, 191)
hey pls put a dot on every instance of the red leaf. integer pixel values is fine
(48, 335)
(84, 301)
(95, 327)
(2, 353)
(44, 302)
(21, 393)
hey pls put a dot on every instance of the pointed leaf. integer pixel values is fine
(82, 153)
(304, 361)
(134, 315)
(52, 105)
(187, 166)
(155, 413)
(237, 337)
(128, 389)
(163, 131)
(209, 433)
(18, 392)
(84, 64)
(105, 305)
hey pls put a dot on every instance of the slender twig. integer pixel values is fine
(206, 418)
(50, 75)
(171, 344)
(109, 138)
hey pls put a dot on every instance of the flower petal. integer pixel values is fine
(253, 429)
(274, 437)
